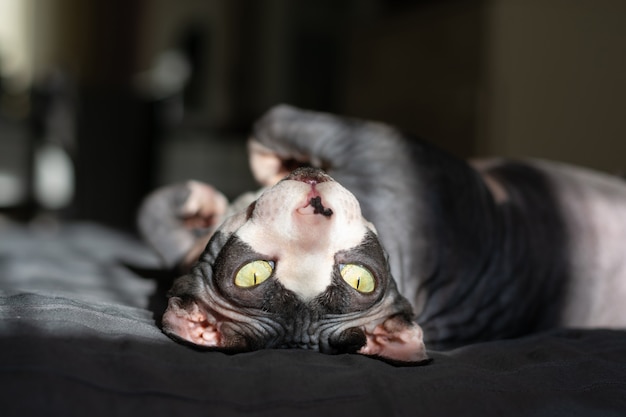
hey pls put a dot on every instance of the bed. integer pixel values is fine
(79, 336)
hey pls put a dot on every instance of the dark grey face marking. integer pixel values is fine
(340, 298)
(272, 297)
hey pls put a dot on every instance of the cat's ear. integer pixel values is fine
(190, 322)
(396, 339)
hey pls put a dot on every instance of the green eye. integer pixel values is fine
(254, 273)
(358, 277)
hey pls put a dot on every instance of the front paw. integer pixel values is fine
(202, 208)
(201, 213)
(178, 220)
(286, 138)
(267, 167)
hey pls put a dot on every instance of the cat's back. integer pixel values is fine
(594, 212)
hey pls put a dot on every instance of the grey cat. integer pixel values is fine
(366, 240)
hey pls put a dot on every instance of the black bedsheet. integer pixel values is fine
(77, 338)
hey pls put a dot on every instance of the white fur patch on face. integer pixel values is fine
(302, 234)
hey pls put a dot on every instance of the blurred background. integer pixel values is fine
(102, 101)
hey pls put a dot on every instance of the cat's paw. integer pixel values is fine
(266, 165)
(179, 219)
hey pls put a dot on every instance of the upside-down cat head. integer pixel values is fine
(300, 268)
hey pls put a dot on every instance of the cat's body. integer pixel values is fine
(490, 250)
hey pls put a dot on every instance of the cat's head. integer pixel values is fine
(300, 268)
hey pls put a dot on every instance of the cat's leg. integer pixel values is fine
(287, 137)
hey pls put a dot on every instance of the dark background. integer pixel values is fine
(138, 93)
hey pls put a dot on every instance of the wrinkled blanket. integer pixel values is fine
(78, 337)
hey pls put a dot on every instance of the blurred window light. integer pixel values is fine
(54, 177)
(16, 58)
